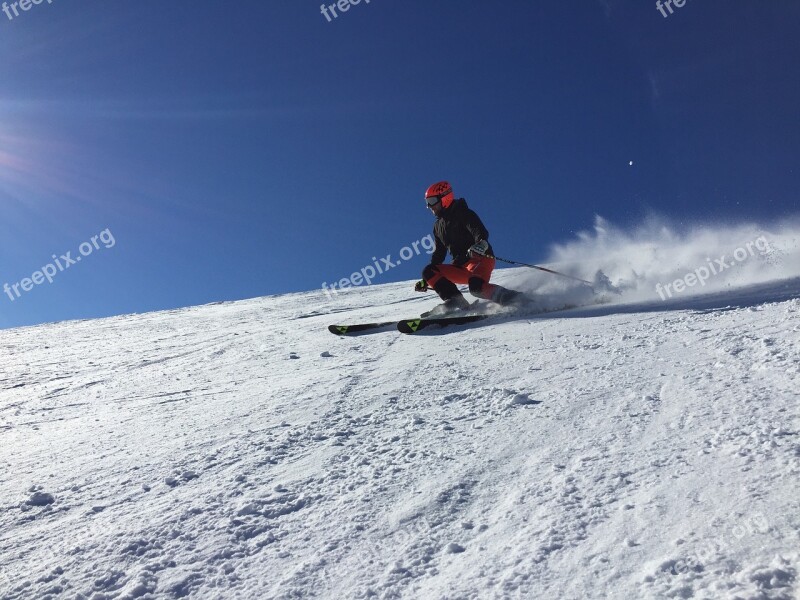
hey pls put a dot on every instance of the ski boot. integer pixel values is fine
(510, 298)
(454, 305)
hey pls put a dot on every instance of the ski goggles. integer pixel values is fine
(433, 200)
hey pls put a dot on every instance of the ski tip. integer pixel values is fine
(338, 329)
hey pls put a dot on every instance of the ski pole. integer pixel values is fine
(513, 262)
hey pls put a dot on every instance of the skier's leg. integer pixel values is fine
(479, 286)
(480, 270)
(506, 297)
(441, 279)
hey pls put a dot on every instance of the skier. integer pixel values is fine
(460, 231)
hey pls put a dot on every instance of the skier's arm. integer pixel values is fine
(475, 226)
(439, 250)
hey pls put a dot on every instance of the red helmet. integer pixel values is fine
(441, 191)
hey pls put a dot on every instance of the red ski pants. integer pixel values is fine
(475, 273)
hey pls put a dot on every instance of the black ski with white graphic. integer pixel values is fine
(404, 326)
(417, 325)
(360, 328)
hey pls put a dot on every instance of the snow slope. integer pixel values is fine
(239, 450)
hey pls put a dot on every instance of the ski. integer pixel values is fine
(359, 328)
(404, 326)
(474, 313)
(410, 326)
(416, 325)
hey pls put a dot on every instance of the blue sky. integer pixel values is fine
(236, 150)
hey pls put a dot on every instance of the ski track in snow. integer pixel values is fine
(240, 450)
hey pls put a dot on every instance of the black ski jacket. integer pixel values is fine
(456, 229)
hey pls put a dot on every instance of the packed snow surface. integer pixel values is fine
(643, 449)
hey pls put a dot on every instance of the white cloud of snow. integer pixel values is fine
(635, 265)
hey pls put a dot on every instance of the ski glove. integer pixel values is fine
(480, 248)
(421, 286)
